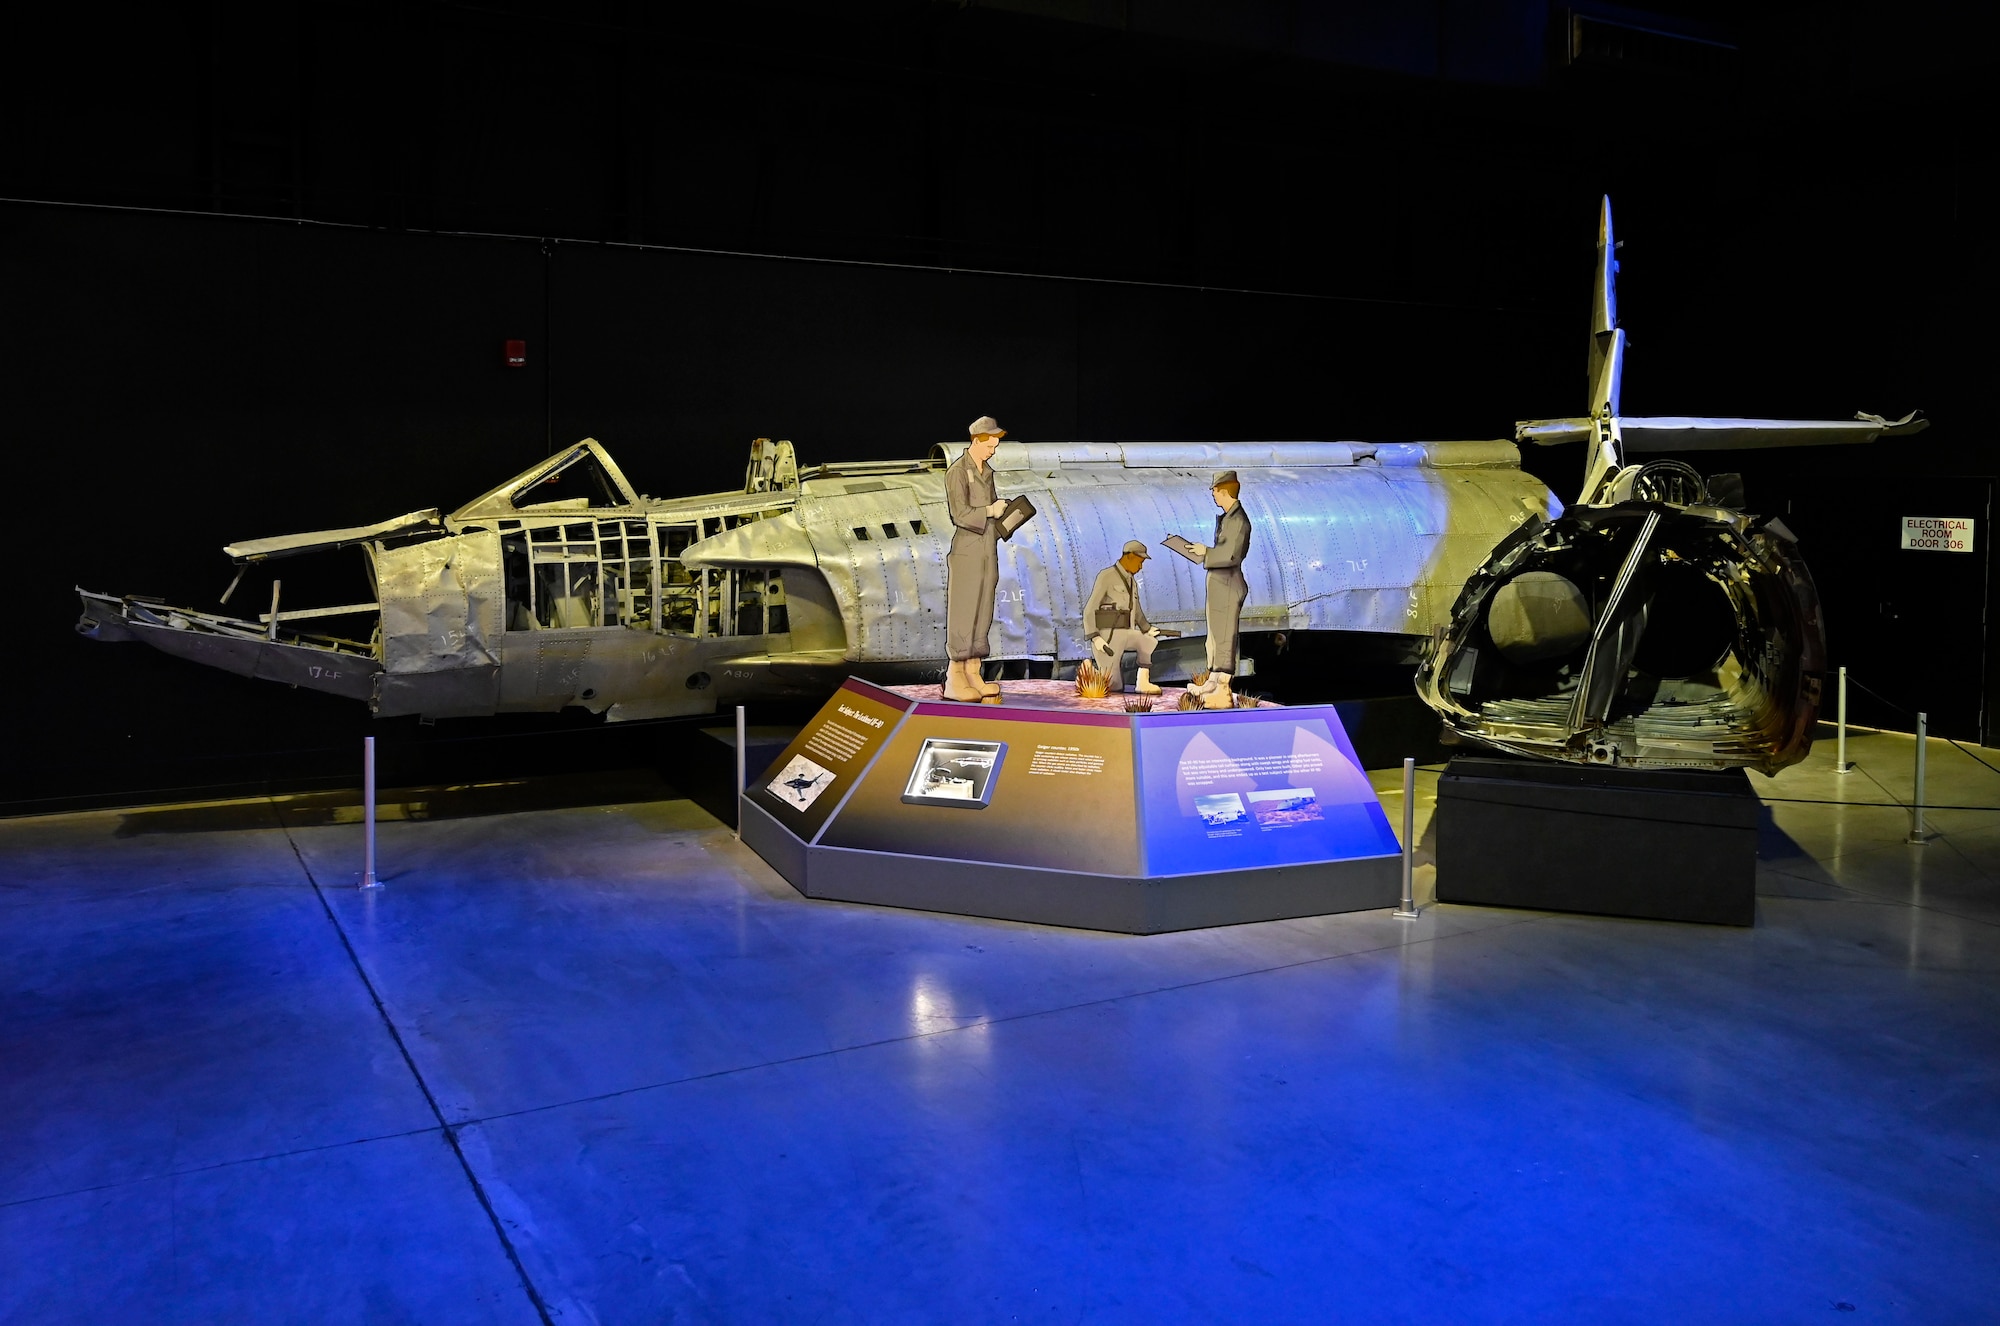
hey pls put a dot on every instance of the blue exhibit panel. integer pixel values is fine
(1267, 788)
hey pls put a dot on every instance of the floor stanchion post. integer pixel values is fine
(1840, 764)
(1917, 801)
(368, 880)
(742, 769)
(1408, 909)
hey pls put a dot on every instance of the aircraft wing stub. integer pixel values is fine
(774, 541)
(292, 545)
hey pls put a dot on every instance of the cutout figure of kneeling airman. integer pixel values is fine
(1117, 622)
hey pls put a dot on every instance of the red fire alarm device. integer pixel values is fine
(517, 354)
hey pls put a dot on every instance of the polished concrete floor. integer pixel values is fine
(594, 1062)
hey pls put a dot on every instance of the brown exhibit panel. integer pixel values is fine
(819, 769)
(1049, 815)
(1064, 799)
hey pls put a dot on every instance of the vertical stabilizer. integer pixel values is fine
(1607, 341)
(1604, 305)
(1607, 365)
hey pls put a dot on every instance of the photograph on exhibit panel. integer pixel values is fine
(800, 782)
(954, 771)
(1257, 787)
(1290, 805)
(1221, 810)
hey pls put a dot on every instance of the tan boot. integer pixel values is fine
(1145, 683)
(1217, 696)
(957, 686)
(973, 668)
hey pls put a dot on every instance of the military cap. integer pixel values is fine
(1222, 477)
(985, 423)
(1138, 548)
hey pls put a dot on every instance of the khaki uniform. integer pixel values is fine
(1116, 622)
(1227, 589)
(972, 566)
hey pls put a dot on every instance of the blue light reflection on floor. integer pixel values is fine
(686, 1093)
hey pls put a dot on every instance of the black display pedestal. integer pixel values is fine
(1668, 845)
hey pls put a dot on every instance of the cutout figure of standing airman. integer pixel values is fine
(972, 566)
(1227, 589)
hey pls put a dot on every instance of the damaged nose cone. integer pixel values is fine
(1636, 634)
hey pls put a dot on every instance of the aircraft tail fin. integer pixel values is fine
(1607, 339)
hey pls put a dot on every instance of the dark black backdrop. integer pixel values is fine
(183, 382)
(1800, 240)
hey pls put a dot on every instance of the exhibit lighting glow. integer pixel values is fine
(932, 1008)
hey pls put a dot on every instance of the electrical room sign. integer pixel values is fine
(1937, 533)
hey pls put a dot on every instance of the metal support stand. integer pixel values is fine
(1917, 802)
(368, 880)
(1840, 764)
(742, 771)
(271, 628)
(1408, 911)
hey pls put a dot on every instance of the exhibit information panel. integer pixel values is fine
(1140, 823)
(1037, 788)
(820, 767)
(1272, 787)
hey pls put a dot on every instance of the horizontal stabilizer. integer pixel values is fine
(1690, 433)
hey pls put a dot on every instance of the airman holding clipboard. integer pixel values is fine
(979, 518)
(1228, 590)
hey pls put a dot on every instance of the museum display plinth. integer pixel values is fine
(1099, 819)
(1668, 845)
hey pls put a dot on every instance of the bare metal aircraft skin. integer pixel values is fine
(564, 587)
(1656, 623)
(1582, 636)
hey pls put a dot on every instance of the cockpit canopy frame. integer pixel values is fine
(586, 466)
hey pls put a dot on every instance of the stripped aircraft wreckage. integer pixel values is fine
(1656, 623)
(564, 587)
